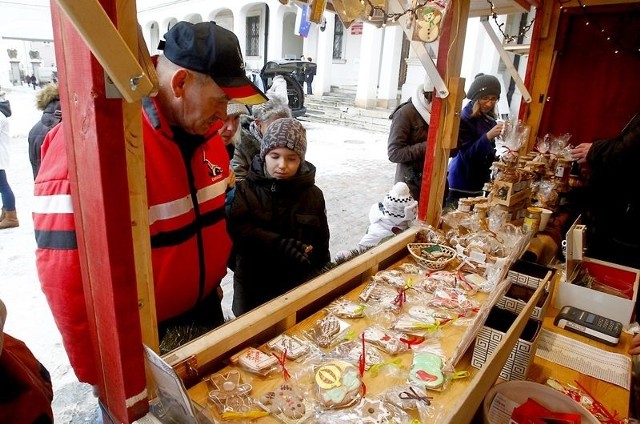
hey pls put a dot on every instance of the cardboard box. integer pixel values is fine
(492, 332)
(620, 278)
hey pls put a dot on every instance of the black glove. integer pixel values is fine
(294, 250)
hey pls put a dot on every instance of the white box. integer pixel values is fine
(618, 277)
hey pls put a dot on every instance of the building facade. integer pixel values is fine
(375, 61)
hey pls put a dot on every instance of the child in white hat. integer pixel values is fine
(389, 217)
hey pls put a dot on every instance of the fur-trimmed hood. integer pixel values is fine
(45, 96)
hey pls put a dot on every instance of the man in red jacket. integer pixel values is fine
(187, 170)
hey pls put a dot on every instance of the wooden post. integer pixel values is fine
(94, 131)
(451, 46)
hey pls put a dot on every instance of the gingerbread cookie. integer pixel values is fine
(291, 345)
(410, 324)
(409, 268)
(228, 393)
(392, 277)
(426, 370)
(345, 308)
(352, 351)
(337, 384)
(256, 361)
(327, 330)
(287, 404)
(388, 341)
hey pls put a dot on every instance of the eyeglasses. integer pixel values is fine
(488, 99)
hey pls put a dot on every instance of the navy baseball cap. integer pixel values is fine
(210, 49)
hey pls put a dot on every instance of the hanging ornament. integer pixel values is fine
(428, 21)
(316, 9)
(348, 10)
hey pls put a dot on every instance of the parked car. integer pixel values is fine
(290, 70)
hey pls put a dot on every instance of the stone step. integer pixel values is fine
(338, 108)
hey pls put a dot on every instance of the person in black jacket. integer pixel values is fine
(48, 101)
(612, 209)
(407, 143)
(278, 220)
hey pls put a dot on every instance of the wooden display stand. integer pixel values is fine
(299, 309)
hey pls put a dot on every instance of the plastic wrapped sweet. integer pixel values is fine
(367, 411)
(430, 235)
(426, 370)
(327, 330)
(546, 195)
(387, 340)
(351, 351)
(337, 384)
(255, 361)
(514, 134)
(287, 404)
(228, 394)
(392, 277)
(455, 300)
(292, 347)
(346, 308)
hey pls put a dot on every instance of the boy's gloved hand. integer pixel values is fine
(294, 250)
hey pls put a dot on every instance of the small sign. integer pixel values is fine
(356, 28)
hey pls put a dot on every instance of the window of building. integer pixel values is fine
(253, 35)
(338, 38)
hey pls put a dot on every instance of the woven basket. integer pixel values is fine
(426, 254)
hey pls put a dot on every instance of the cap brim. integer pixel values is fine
(242, 90)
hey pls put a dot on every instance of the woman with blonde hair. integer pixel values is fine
(469, 168)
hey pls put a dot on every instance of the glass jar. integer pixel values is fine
(532, 218)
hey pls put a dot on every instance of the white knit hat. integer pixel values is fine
(398, 203)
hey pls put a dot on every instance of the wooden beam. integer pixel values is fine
(132, 121)
(96, 152)
(451, 46)
(108, 46)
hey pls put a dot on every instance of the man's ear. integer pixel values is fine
(179, 81)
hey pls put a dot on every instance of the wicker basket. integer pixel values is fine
(425, 254)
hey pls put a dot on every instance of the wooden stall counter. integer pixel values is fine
(456, 404)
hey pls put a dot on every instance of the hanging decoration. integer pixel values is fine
(618, 45)
(376, 9)
(428, 21)
(507, 37)
(316, 9)
(348, 10)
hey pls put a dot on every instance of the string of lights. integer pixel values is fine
(618, 46)
(507, 37)
(376, 11)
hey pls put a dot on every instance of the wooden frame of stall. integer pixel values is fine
(106, 170)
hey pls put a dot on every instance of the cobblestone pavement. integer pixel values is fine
(352, 171)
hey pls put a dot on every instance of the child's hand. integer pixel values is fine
(294, 250)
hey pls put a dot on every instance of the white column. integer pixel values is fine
(370, 54)
(415, 76)
(324, 59)
(390, 71)
(274, 42)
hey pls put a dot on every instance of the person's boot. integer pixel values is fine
(10, 220)
(3, 214)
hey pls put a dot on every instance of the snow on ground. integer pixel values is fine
(352, 171)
